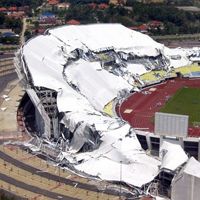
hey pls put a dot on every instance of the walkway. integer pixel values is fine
(9, 103)
(15, 163)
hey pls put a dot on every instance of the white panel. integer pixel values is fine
(171, 124)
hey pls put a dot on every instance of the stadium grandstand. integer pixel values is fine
(92, 92)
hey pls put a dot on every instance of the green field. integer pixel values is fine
(186, 101)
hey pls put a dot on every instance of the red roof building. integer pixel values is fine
(12, 9)
(73, 22)
(24, 8)
(155, 24)
(135, 28)
(53, 2)
(17, 15)
(143, 28)
(40, 31)
(2, 9)
(103, 6)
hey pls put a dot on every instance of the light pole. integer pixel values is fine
(120, 179)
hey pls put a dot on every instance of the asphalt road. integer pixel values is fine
(34, 189)
(50, 176)
(6, 55)
(4, 80)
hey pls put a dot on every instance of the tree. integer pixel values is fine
(27, 35)
(14, 24)
(2, 18)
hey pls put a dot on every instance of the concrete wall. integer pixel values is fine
(152, 143)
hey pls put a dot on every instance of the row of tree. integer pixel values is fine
(85, 1)
(19, 3)
(175, 21)
(10, 23)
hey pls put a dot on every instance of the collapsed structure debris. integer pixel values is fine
(70, 80)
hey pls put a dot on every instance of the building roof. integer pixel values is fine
(73, 22)
(17, 15)
(171, 161)
(103, 6)
(2, 9)
(63, 5)
(14, 8)
(117, 2)
(143, 27)
(47, 15)
(155, 24)
(53, 2)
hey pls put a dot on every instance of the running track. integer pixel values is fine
(144, 104)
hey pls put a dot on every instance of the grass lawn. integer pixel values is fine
(186, 101)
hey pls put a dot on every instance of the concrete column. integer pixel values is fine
(181, 142)
(148, 142)
(199, 150)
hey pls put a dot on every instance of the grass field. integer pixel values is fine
(186, 102)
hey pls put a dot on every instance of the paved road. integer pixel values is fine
(6, 55)
(4, 80)
(34, 189)
(50, 176)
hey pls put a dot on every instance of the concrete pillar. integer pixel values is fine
(199, 150)
(181, 142)
(148, 142)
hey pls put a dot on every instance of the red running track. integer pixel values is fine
(144, 104)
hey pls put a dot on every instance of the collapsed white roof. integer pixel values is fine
(123, 154)
(98, 37)
(91, 79)
(84, 88)
(46, 64)
(180, 54)
(136, 69)
(172, 156)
